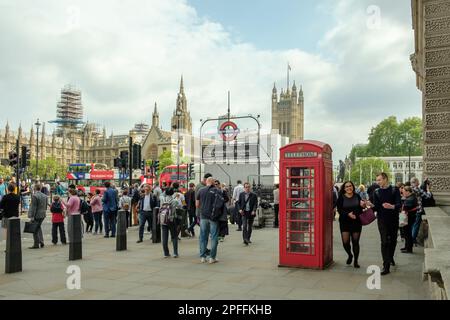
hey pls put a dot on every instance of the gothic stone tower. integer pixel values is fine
(288, 113)
(185, 118)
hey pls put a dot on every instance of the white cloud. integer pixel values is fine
(124, 56)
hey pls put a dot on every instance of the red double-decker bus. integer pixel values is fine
(89, 177)
(170, 174)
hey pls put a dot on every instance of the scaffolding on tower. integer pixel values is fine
(69, 111)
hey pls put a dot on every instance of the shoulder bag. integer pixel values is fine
(367, 217)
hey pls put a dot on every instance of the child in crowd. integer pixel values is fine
(57, 209)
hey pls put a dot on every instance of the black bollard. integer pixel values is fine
(121, 234)
(13, 262)
(156, 227)
(75, 248)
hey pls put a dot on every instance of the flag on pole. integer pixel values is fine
(289, 67)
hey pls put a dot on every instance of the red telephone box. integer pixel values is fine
(306, 205)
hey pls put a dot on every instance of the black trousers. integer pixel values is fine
(237, 217)
(247, 226)
(276, 208)
(62, 232)
(388, 229)
(172, 230)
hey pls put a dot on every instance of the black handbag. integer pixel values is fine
(31, 227)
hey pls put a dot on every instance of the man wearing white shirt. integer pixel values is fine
(236, 193)
(146, 204)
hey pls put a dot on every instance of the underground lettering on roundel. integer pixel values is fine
(195, 310)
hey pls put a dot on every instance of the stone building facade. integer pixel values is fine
(288, 113)
(399, 167)
(158, 140)
(85, 145)
(431, 63)
(183, 119)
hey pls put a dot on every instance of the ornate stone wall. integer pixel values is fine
(431, 62)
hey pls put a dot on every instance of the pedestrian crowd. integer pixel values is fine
(209, 205)
(398, 210)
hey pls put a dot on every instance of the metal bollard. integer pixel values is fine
(75, 243)
(156, 227)
(121, 234)
(13, 259)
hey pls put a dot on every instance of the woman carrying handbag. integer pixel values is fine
(350, 206)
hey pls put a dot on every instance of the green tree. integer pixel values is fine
(5, 172)
(410, 136)
(384, 139)
(358, 151)
(48, 169)
(365, 170)
(391, 138)
(165, 159)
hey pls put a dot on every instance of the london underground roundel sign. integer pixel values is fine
(228, 130)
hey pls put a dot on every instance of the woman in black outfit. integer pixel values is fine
(350, 206)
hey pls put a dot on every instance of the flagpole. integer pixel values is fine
(287, 77)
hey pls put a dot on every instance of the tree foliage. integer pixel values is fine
(49, 168)
(392, 138)
(365, 171)
(5, 172)
(167, 158)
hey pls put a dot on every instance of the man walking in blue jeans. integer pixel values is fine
(110, 205)
(205, 201)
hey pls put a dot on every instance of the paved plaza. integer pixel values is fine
(242, 272)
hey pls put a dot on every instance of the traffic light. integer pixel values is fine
(156, 166)
(25, 157)
(117, 162)
(143, 164)
(124, 159)
(191, 171)
(13, 158)
(136, 156)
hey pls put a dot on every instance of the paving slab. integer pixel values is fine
(242, 273)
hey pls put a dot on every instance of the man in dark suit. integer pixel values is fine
(247, 205)
(37, 213)
(110, 207)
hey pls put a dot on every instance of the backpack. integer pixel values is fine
(56, 207)
(165, 214)
(218, 204)
(84, 207)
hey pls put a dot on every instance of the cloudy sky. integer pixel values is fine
(350, 56)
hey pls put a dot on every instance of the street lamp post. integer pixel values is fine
(408, 140)
(37, 124)
(178, 114)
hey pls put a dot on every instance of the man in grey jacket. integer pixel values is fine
(37, 213)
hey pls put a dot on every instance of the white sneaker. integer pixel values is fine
(211, 260)
(203, 260)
